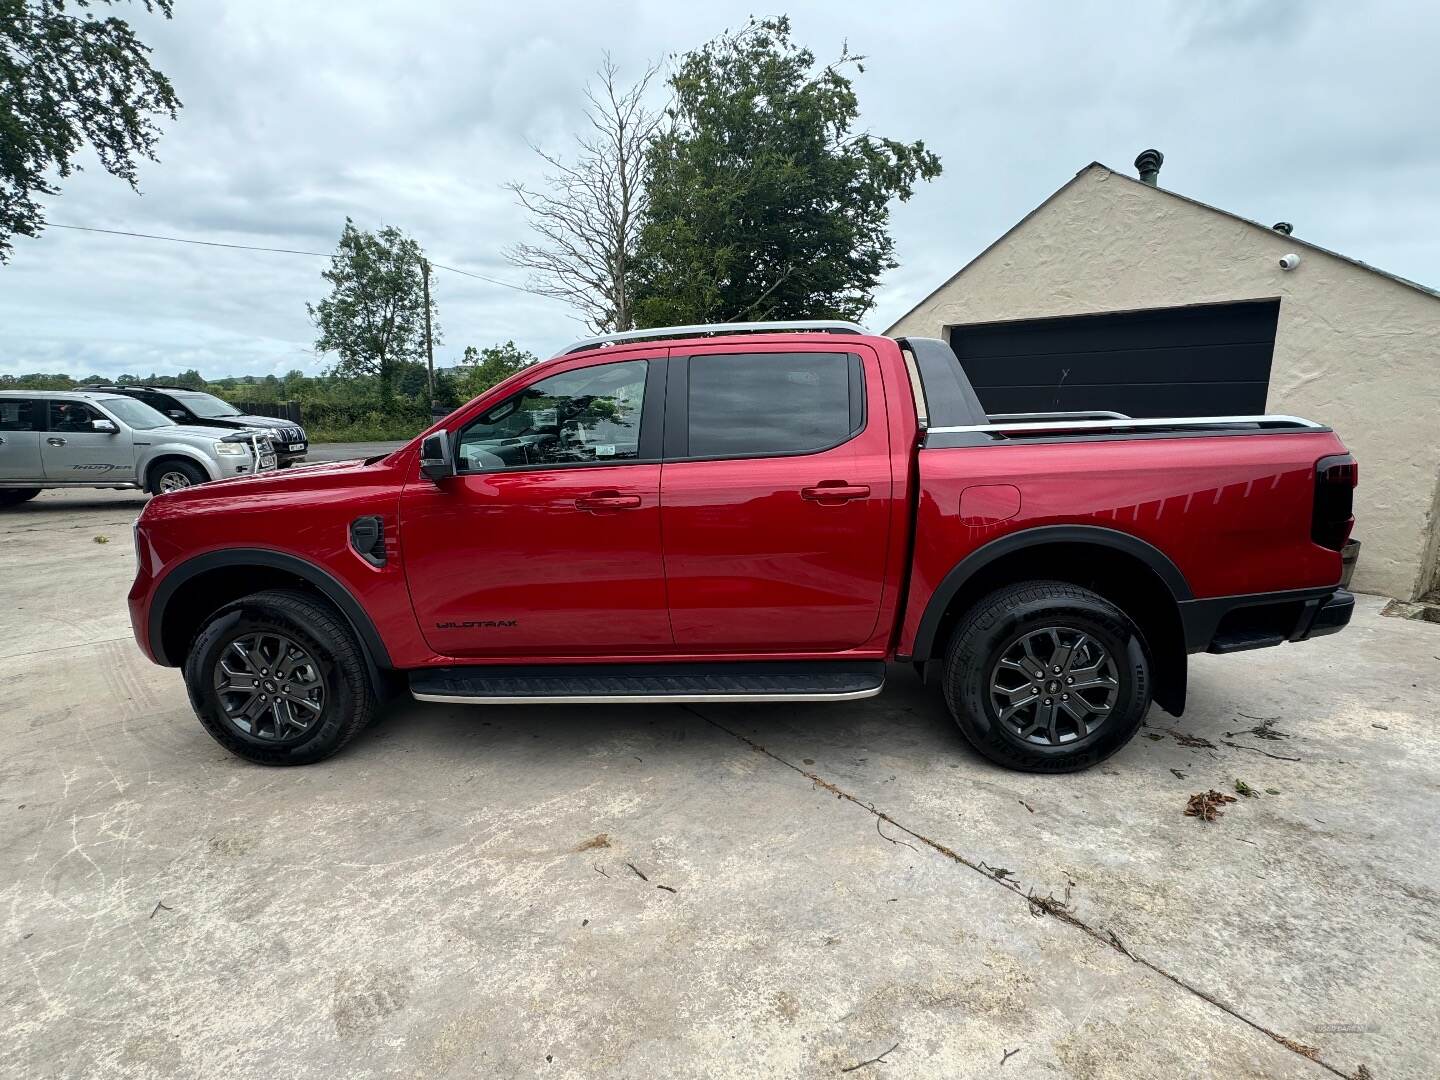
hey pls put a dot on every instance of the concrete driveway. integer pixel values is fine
(779, 891)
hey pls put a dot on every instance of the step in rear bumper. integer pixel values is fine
(1227, 624)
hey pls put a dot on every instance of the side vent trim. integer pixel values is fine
(367, 537)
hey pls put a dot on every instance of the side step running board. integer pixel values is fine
(541, 684)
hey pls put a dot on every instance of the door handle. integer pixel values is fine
(607, 500)
(835, 491)
(55, 441)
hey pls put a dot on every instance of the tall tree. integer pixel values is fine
(764, 204)
(374, 318)
(588, 216)
(481, 369)
(70, 79)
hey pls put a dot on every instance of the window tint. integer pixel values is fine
(72, 416)
(17, 414)
(744, 405)
(584, 417)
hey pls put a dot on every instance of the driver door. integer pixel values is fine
(72, 450)
(547, 541)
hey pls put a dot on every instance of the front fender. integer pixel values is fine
(155, 451)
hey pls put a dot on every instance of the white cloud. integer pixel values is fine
(414, 115)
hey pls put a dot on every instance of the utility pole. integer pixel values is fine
(429, 345)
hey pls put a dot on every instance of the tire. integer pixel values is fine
(995, 692)
(16, 496)
(171, 474)
(334, 676)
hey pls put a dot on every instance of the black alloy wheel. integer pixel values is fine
(1046, 676)
(269, 687)
(1054, 686)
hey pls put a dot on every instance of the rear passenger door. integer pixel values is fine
(20, 439)
(775, 498)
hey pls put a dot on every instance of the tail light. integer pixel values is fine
(1333, 517)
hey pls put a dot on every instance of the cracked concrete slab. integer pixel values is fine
(460, 893)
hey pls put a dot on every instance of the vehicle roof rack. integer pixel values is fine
(823, 326)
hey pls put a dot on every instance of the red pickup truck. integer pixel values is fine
(750, 512)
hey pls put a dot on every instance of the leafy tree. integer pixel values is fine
(70, 78)
(763, 202)
(588, 218)
(374, 317)
(481, 369)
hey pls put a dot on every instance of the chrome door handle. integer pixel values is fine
(54, 441)
(833, 492)
(2, 440)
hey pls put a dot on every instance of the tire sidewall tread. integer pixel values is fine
(349, 698)
(996, 619)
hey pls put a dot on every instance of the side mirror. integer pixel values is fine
(435, 462)
(104, 427)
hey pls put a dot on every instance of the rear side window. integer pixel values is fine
(17, 415)
(764, 404)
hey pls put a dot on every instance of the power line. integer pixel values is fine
(277, 251)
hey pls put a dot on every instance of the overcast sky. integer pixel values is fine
(297, 114)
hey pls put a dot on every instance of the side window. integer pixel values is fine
(762, 404)
(71, 416)
(17, 414)
(590, 416)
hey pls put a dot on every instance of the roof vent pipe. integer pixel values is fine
(1149, 163)
(1283, 227)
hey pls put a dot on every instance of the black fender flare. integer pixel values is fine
(972, 564)
(376, 655)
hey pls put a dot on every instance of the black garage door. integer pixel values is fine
(1209, 360)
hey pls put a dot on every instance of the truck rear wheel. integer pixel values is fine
(278, 678)
(1047, 677)
(172, 474)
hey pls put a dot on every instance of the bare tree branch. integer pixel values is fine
(588, 217)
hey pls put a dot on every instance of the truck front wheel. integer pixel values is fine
(278, 678)
(1047, 677)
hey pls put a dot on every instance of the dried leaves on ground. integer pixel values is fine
(1207, 805)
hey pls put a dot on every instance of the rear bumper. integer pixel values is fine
(1227, 624)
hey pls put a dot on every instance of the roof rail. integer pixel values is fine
(824, 326)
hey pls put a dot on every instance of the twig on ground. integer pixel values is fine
(1008, 1055)
(881, 817)
(1262, 719)
(1257, 750)
(159, 906)
(1115, 941)
(667, 888)
(638, 874)
(601, 871)
(877, 1059)
(1027, 806)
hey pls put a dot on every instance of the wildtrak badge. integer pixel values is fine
(483, 624)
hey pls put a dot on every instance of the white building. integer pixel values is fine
(1117, 294)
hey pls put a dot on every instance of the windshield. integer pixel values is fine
(207, 405)
(136, 414)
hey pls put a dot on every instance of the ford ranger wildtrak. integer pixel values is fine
(745, 513)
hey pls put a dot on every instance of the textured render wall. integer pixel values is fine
(1353, 349)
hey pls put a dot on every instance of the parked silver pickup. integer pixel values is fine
(60, 438)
